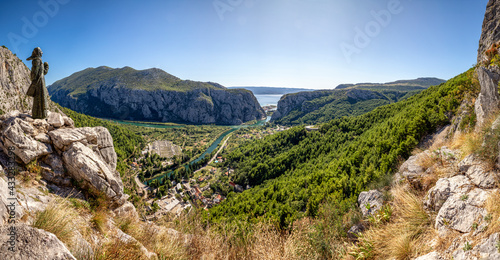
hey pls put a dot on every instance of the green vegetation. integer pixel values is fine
(294, 172)
(127, 143)
(339, 103)
(400, 85)
(150, 79)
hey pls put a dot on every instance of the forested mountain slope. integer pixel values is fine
(293, 172)
(312, 107)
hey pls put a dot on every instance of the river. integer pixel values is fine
(210, 149)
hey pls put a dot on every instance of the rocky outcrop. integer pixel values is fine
(32, 243)
(488, 74)
(116, 94)
(488, 100)
(85, 155)
(14, 82)
(446, 187)
(370, 202)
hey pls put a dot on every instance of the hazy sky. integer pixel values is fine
(280, 43)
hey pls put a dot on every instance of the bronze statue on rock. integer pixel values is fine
(37, 89)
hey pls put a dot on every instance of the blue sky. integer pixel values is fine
(281, 43)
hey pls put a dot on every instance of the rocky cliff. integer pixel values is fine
(152, 95)
(454, 192)
(14, 82)
(71, 162)
(488, 69)
(312, 107)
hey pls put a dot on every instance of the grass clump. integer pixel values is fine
(57, 219)
(403, 237)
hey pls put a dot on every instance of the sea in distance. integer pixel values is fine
(266, 100)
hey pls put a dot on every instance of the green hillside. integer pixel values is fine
(150, 79)
(295, 171)
(401, 85)
(339, 104)
(346, 100)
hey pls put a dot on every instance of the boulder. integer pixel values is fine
(17, 133)
(32, 243)
(62, 138)
(411, 169)
(127, 209)
(106, 147)
(459, 213)
(370, 202)
(86, 166)
(444, 188)
(55, 119)
(476, 171)
(43, 137)
(68, 122)
(355, 230)
(55, 173)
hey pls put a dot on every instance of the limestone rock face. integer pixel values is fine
(18, 134)
(84, 165)
(373, 198)
(14, 82)
(490, 33)
(411, 169)
(55, 119)
(489, 75)
(85, 154)
(33, 243)
(198, 106)
(445, 187)
(459, 213)
(488, 100)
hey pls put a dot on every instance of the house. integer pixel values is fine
(178, 187)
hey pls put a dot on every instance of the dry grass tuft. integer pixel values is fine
(405, 236)
(116, 249)
(57, 218)
(493, 217)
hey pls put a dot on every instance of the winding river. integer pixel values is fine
(209, 150)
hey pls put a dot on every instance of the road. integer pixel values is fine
(220, 149)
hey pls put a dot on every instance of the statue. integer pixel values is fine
(37, 89)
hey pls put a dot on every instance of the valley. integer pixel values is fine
(131, 162)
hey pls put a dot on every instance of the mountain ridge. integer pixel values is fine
(153, 95)
(312, 107)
